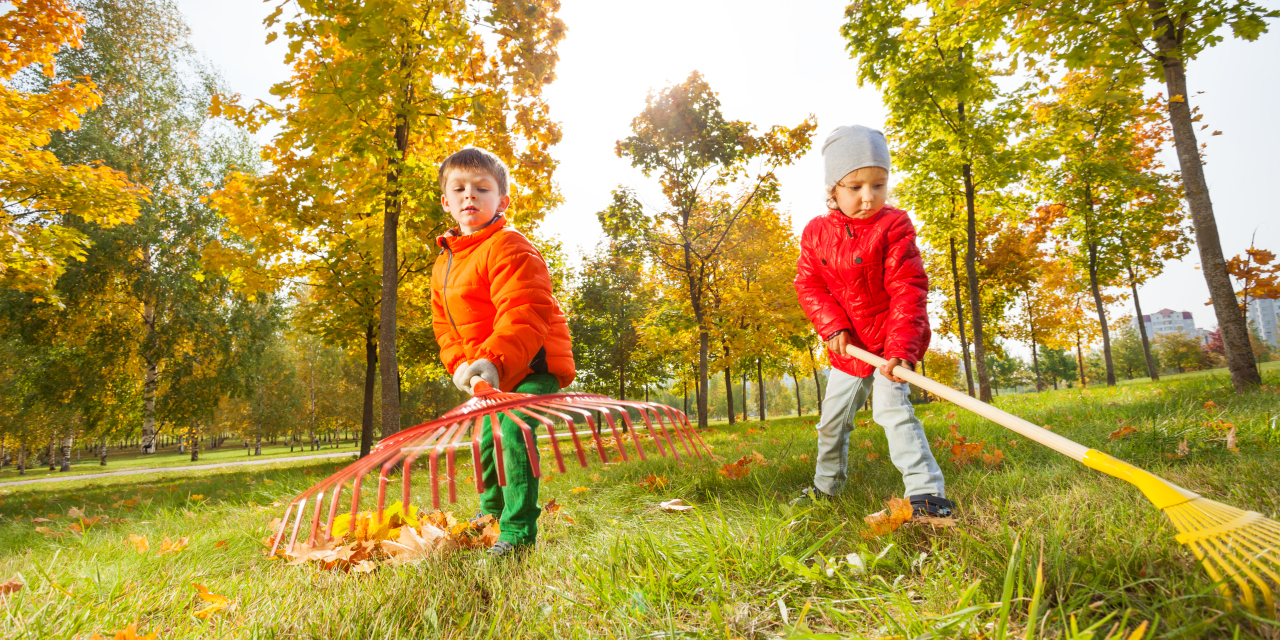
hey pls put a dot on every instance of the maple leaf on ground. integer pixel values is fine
(579, 490)
(887, 521)
(75, 513)
(41, 520)
(10, 586)
(216, 602)
(1210, 406)
(48, 532)
(676, 505)
(139, 542)
(653, 483)
(872, 456)
(219, 544)
(1122, 433)
(804, 457)
(128, 633)
(734, 470)
(595, 477)
(173, 546)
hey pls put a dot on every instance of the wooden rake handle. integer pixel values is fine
(1069, 448)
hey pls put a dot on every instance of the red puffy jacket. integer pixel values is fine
(865, 276)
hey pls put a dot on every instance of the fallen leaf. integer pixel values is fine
(595, 477)
(1210, 406)
(676, 505)
(128, 633)
(886, 521)
(412, 548)
(993, 459)
(216, 602)
(1232, 444)
(75, 513)
(653, 483)
(173, 546)
(1184, 450)
(48, 532)
(734, 470)
(41, 520)
(219, 544)
(551, 507)
(1122, 433)
(196, 496)
(579, 490)
(804, 457)
(872, 456)
(139, 542)
(274, 525)
(11, 586)
(364, 566)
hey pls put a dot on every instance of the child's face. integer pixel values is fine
(471, 197)
(861, 193)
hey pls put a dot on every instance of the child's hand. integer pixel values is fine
(887, 369)
(838, 342)
(460, 379)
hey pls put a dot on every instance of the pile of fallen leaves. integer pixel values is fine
(400, 536)
(741, 467)
(964, 452)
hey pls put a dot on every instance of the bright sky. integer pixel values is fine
(776, 63)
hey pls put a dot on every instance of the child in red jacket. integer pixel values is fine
(861, 282)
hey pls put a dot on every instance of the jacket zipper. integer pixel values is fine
(444, 292)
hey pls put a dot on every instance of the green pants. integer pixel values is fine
(515, 505)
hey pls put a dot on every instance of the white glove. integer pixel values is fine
(483, 368)
(458, 380)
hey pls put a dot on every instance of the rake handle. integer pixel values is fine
(1066, 447)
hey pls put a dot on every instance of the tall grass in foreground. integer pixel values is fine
(1045, 548)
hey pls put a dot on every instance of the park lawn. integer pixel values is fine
(741, 565)
(120, 460)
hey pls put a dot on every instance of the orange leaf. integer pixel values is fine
(139, 542)
(216, 602)
(734, 470)
(1210, 406)
(128, 633)
(173, 546)
(886, 521)
(653, 483)
(579, 490)
(1122, 433)
(10, 586)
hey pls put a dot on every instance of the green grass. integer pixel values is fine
(741, 565)
(120, 460)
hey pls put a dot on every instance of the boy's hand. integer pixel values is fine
(483, 369)
(459, 381)
(838, 342)
(887, 369)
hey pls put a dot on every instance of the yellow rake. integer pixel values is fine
(1236, 547)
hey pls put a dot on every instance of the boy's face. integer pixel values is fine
(471, 197)
(861, 193)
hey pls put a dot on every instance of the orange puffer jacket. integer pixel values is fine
(491, 298)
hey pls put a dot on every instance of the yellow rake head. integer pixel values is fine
(1239, 549)
(463, 426)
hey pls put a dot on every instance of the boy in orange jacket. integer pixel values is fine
(496, 318)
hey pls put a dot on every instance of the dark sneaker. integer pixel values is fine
(504, 549)
(809, 497)
(931, 506)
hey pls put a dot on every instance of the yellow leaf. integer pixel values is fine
(890, 519)
(216, 602)
(139, 542)
(579, 490)
(173, 546)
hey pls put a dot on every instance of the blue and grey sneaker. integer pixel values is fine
(810, 496)
(504, 549)
(931, 506)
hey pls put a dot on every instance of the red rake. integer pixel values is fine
(461, 427)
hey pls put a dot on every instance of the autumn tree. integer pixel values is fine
(949, 123)
(1104, 180)
(1157, 38)
(712, 172)
(381, 92)
(39, 193)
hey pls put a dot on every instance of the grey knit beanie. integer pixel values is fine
(851, 148)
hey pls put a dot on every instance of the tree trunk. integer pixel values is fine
(799, 404)
(1102, 310)
(1231, 323)
(149, 383)
(67, 443)
(964, 340)
(728, 392)
(1080, 363)
(971, 269)
(195, 440)
(22, 459)
(370, 369)
(760, 394)
(744, 394)
(102, 452)
(703, 347)
(686, 397)
(816, 383)
(311, 418)
(53, 458)
(1142, 329)
(387, 364)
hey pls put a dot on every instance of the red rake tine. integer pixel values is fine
(573, 432)
(297, 522)
(333, 509)
(530, 445)
(617, 438)
(315, 520)
(591, 425)
(450, 457)
(435, 465)
(626, 419)
(475, 454)
(280, 532)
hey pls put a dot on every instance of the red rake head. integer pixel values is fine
(461, 427)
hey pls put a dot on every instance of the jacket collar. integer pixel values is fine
(839, 217)
(453, 240)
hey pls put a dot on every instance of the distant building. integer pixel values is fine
(1167, 321)
(1265, 315)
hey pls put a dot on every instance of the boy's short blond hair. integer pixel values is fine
(477, 159)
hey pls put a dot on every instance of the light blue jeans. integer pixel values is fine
(891, 409)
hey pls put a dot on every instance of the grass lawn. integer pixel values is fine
(740, 565)
(129, 458)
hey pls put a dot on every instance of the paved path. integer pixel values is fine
(199, 467)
